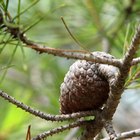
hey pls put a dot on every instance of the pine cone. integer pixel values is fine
(84, 87)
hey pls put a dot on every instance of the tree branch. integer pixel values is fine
(135, 61)
(125, 135)
(110, 130)
(17, 33)
(117, 86)
(116, 90)
(61, 129)
(47, 116)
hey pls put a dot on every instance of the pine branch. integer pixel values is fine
(17, 33)
(47, 116)
(110, 130)
(116, 90)
(125, 135)
(135, 61)
(61, 129)
(117, 86)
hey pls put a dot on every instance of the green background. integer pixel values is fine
(35, 79)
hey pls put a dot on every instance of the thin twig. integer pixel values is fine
(135, 61)
(125, 135)
(61, 129)
(46, 116)
(73, 54)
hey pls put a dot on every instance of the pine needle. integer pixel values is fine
(9, 63)
(35, 23)
(72, 36)
(22, 12)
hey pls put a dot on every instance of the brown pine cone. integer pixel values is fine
(84, 87)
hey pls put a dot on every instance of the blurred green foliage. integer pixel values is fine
(35, 78)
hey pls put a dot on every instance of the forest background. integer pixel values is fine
(35, 79)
